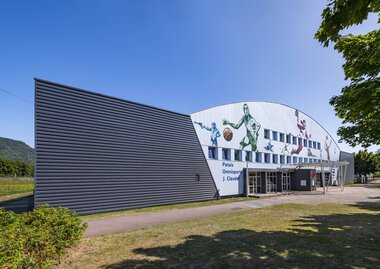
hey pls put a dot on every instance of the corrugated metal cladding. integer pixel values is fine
(350, 173)
(97, 153)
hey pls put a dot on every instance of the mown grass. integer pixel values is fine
(165, 207)
(10, 186)
(283, 236)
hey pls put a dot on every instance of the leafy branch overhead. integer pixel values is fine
(359, 102)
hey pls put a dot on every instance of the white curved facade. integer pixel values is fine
(258, 135)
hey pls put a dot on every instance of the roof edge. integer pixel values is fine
(107, 96)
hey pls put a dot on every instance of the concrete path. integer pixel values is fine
(106, 225)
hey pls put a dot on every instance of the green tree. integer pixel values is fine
(365, 163)
(16, 168)
(358, 104)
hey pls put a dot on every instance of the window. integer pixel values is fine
(282, 159)
(282, 137)
(237, 155)
(305, 143)
(274, 135)
(275, 158)
(310, 144)
(248, 156)
(300, 141)
(305, 160)
(226, 154)
(259, 157)
(266, 134)
(300, 160)
(294, 159)
(288, 138)
(314, 144)
(294, 140)
(288, 159)
(266, 157)
(318, 145)
(213, 153)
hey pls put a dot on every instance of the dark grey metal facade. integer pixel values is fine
(350, 173)
(96, 153)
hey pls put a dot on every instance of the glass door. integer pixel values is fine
(254, 182)
(285, 181)
(271, 179)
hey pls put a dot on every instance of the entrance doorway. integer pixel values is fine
(271, 180)
(285, 181)
(254, 182)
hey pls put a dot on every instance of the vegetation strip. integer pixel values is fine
(9, 186)
(290, 235)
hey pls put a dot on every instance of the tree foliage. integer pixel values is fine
(16, 168)
(358, 104)
(366, 163)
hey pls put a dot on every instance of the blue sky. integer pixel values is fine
(179, 55)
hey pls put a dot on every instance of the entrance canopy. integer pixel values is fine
(341, 171)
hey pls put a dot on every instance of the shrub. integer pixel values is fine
(39, 238)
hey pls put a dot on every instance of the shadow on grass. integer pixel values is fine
(318, 241)
(19, 205)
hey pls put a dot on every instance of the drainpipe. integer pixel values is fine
(246, 180)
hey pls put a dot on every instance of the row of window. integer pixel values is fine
(291, 139)
(259, 157)
(226, 154)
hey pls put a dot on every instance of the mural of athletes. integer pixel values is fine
(310, 154)
(214, 132)
(269, 147)
(301, 125)
(296, 150)
(327, 147)
(253, 131)
(252, 127)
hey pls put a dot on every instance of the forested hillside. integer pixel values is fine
(16, 151)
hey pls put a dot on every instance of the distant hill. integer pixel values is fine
(16, 150)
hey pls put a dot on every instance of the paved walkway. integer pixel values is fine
(106, 225)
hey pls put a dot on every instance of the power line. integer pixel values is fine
(14, 95)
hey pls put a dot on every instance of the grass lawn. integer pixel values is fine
(165, 207)
(283, 236)
(373, 184)
(11, 186)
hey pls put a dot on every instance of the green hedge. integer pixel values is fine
(16, 168)
(39, 238)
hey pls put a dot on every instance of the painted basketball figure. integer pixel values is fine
(252, 127)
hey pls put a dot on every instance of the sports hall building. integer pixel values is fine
(96, 153)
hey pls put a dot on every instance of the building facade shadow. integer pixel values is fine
(318, 241)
